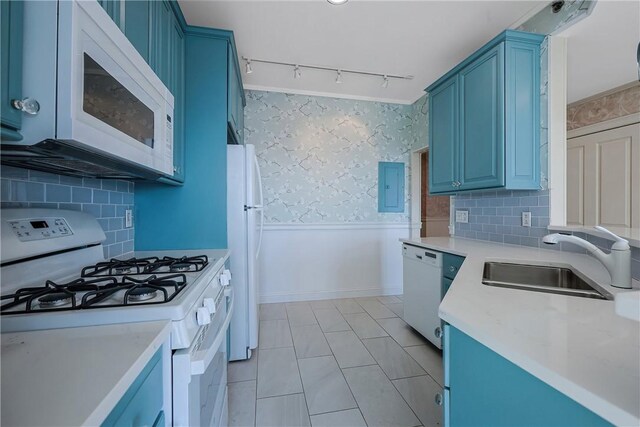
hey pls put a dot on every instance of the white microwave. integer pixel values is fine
(103, 112)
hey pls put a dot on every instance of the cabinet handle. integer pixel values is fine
(438, 332)
(238, 132)
(452, 268)
(27, 105)
(438, 399)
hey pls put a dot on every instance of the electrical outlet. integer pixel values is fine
(128, 218)
(462, 216)
(526, 219)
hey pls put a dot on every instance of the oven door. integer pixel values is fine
(200, 372)
(109, 99)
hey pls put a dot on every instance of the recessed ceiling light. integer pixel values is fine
(337, 2)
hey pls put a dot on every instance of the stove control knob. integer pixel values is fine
(203, 316)
(210, 304)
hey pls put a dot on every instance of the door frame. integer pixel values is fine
(416, 195)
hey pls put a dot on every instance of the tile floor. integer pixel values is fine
(337, 363)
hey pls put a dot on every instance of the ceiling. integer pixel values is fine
(420, 38)
(601, 49)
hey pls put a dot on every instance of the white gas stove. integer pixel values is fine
(54, 275)
(64, 281)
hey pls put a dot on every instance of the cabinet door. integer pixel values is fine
(443, 136)
(11, 38)
(603, 178)
(481, 147)
(136, 25)
(161, 28)
(488, 390)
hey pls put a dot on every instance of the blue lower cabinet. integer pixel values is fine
(142, 404)
(485, 389)
(451, 264)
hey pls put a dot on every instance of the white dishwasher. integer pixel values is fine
(422, 278)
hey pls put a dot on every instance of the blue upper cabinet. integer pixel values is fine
(482, 122)
(484, 119)
(155, 30)
(483, 388)
(443, 126)
(390, 187)
(11, 74)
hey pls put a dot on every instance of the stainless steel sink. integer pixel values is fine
(539, 278)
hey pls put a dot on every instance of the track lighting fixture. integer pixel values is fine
(297, 70)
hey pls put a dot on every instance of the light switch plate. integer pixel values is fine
(128, 218)
(462, 216)
(526, 219)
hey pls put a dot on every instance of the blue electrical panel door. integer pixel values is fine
(390, 187)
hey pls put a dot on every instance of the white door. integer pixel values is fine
(255, 220)
(603, 178)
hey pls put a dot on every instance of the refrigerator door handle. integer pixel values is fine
(260, 206)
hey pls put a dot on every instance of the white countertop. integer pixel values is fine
(74, 376)
(579, 346)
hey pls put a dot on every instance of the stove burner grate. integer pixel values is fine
(132, 266)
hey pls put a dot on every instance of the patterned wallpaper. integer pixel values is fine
(319, 156)
(420, 123)
(606, 107)
(105, 199)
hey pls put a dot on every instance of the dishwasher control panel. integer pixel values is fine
(421, 254)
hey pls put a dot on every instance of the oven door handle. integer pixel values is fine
(200, 365)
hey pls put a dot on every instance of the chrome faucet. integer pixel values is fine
(618, 262)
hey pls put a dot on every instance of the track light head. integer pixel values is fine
(296, 72)
(248, 68)
(339, 77)
(385, 81)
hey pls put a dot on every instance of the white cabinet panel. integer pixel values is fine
(603, 178)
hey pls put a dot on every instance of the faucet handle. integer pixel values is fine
(620, 244)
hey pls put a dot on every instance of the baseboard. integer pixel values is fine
(311, 296)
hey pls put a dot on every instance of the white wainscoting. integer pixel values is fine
(320, 261)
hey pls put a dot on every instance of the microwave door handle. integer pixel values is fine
(200, 365)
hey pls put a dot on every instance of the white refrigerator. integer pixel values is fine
(245, 219)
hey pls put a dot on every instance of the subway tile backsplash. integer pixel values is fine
(107, 200)
(497, 216)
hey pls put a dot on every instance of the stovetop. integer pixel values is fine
(112, 283)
